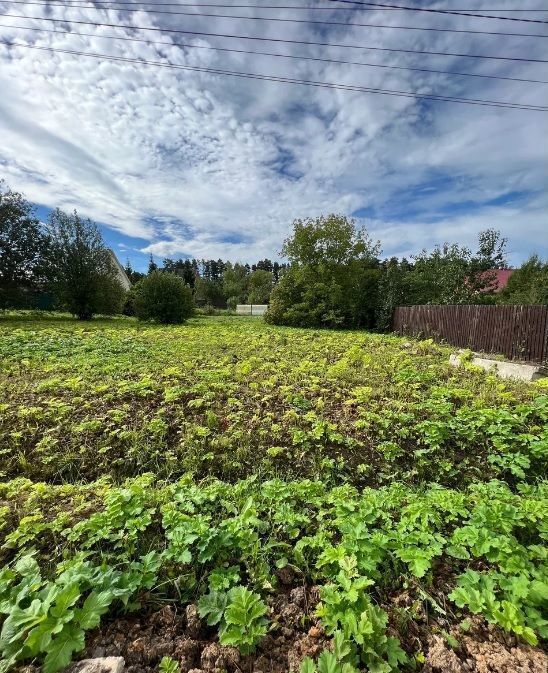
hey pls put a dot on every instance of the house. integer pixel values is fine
(499, 278)
(120, 273)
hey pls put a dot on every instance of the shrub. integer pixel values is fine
(335, 296)
(163, 297)
(129, 303)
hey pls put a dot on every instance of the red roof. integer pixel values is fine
(500, 279)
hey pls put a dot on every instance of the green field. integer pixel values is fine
(253, 471)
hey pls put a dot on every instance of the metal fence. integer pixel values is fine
(251, 309)
(518, 332)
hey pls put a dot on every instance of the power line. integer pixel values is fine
(291, 80)
(276, 19)
(297, 7)
(186, 45)
(437, 11)
(273, 39)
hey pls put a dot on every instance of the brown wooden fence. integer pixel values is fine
(518, 332)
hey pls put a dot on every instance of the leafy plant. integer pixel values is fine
(359, 626)
(169, 665)
(240, 614)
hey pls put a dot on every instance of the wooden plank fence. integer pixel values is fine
(518, 332)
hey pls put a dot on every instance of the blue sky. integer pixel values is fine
(180, 163)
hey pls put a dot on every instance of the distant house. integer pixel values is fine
(120, 273)
(500, 279)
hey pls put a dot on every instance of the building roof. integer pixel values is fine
(120, 272)
(502, 277)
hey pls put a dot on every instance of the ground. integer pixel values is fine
(287, 491)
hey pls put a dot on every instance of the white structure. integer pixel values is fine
(504, 369)
(121, 275)
(251, 309)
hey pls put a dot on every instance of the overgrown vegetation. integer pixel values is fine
(163, 297)
(336, 278)
(62, 264)
(196, 464)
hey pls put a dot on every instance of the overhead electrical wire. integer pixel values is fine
(296, 7)
(277, 19)
(281, 40)
(186, 45)
(407, 8)
(291, 80)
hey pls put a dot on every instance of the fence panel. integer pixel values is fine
(518, 332)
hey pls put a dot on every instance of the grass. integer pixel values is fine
(196, 462)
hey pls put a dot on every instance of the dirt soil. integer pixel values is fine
(295, 633)
(143, 641)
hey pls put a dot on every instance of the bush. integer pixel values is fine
(110, 296)
(333, 297)
(129, 303)
(163, 297)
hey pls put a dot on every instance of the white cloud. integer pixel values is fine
(189, 161)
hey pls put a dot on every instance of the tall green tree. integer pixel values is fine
(235, 284)
(209, 292)
(259, 287)
(23, 248)
(152, 266)
(81, 270)
(331, 239)
(333, 279)
(134, 276)
(163, 297)
(491, 252)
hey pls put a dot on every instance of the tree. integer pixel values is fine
(23, 248)
(134, 276)
(393, 290)
(306, 298)
(441, 276)
(81, 270)
(528, 284)
(163, 297)
(209, 292)
(451, 274)
(259, 286)
(152, 266)
(491, 250)
(333, 278)
(235, 284)
(328, 240)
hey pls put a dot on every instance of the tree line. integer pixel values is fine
(220, 283)
(335, 276)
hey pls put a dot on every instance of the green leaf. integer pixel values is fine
(19, 621)
(71, 639)
(40, 636)
(471, 598)
(327, 663)
(95, 605)
(308, 666)
(65, 599)
(538, 592)
(212, 606)
(341, 647)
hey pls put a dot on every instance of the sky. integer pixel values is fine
(184, 163)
